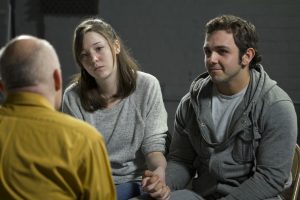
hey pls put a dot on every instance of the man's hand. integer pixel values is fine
(153, 183)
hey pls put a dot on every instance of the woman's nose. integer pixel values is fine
(94, 57)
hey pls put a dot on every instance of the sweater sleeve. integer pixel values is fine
(274, 155)
(155, 115)
(71, 102)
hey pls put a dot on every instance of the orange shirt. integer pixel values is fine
(45, 154)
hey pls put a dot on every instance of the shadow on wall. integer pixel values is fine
(37, 10)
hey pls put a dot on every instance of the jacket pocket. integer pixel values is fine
(243, 147)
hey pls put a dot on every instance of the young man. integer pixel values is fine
(236, 129)
(45, 154)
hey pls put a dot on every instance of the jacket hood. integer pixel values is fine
(197, 86)
(259, 85)
(201, 90)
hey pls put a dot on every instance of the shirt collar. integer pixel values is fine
(28, 98)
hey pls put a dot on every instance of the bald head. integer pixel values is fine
(27, 61)
(30, 63)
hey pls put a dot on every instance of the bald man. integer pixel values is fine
(45, 154)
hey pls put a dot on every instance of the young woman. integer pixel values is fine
(124, 104)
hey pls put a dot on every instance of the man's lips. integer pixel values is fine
(212, 69)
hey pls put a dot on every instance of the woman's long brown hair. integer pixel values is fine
(89, 93)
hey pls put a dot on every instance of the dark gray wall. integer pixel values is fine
(166, 37)
(4, 21)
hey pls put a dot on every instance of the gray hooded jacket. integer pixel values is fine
(254, 160)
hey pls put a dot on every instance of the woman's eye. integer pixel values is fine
(83, 55)
(98, 48)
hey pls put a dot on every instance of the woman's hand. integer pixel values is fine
(153, 184)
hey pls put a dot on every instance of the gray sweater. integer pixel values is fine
(132, 128)
(255, 158)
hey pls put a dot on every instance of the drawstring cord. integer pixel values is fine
(256, 136)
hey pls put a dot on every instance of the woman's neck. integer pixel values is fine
(108, 86)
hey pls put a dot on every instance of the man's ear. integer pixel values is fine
(57, 79)
(248, 56)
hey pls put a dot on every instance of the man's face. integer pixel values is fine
(222, 59)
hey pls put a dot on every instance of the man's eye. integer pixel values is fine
(222, 51)
(207, 52)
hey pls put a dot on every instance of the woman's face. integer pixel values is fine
(97, 57)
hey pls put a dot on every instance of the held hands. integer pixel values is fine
(154, 183)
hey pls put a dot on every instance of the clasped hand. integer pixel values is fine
(154, 184)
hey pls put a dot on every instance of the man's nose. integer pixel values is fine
(214, 57)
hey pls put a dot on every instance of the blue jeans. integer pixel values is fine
(128, 190)
(175, 195)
